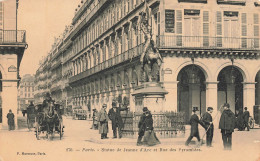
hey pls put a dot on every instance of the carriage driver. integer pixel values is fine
(47, 100)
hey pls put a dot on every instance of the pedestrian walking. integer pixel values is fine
(146, 130)
(227, 125)
(194, 121)
(208, 125)
(240, 121)
(246, 115)
(115, 117)
(10, 119)
(95, 122)
(103, 122)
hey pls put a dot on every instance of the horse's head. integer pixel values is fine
(49, 110)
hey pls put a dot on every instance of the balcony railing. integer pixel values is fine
(12, 36)
(127, 55)
(168, 41)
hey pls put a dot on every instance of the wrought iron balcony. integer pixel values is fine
(206, 42)
(12, 36)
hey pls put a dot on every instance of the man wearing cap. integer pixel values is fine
(246, 118)
(227, 126)
(47, 100)
(115, 117)
(194, 121)
(208, 125)
(102, 118)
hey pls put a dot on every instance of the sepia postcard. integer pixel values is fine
(129, 80)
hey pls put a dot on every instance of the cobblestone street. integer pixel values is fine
(79, 141)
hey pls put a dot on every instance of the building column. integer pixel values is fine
(212, 96)
(257, 101)
(171, 98)
(9, 101)
(249, 96)
(231, 96)
(131, 98)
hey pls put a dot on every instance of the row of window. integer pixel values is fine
(28, 89)
(114, 13)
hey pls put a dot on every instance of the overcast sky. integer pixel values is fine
(42, 20)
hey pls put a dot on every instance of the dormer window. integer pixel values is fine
(232, 2)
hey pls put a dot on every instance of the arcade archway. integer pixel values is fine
(230, 88)
(191, 90)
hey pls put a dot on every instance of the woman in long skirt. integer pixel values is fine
(146, 130)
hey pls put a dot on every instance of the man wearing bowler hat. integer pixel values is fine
(115, 117)
(208, 125)
(194, 121)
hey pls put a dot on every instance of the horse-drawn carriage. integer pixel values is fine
(31, 116)
(49, 120)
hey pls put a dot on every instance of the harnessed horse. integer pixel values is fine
(50, 117)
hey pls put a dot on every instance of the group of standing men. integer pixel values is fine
(226, 125)
(242, 120)
(114, 115)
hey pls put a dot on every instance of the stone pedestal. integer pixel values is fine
(150, 95)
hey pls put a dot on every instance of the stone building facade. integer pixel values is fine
(25, 92)
(210, 51)
(12, 46)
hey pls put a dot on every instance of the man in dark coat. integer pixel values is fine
(115, 117)
(10, 118)
(246, 118)
(240, 121)
(194, 121)
(227, 125)
(208, 125)
(47, 100)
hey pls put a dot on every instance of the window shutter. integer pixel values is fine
(219, 23)
(256, 18)
(205, 28)
(179, 27)
(244, 24)
(205, 23)
(219, 29)
(256, 30)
